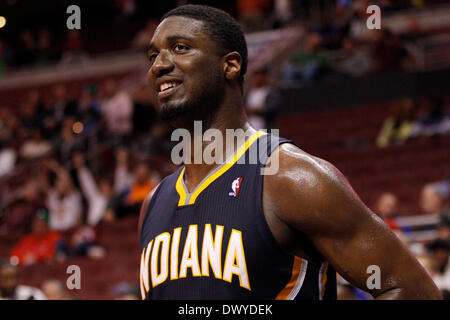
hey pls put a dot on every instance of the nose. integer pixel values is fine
(162, 64)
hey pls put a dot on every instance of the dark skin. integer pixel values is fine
(317, 215)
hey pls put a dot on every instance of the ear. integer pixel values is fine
(232, 65)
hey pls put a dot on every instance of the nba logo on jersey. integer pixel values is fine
(235, 187)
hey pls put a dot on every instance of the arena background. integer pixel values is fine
(81, 144)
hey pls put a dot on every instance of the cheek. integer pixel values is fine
(206, 80)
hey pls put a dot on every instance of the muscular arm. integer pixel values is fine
(318, 201)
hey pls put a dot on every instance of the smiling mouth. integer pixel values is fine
(167, 88)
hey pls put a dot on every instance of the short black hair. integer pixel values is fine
(221, 27)
(439, 244)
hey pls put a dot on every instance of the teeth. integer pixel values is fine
(167, 85)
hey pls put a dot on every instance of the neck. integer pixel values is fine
(230, 115)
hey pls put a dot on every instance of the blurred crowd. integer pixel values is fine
(51, 289)
(331, 51)
(44, 45)
(70, 163)
(406, 122)
(433, 255)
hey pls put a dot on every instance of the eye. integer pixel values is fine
(180, 48)
(152, 57)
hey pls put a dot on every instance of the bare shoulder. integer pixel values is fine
(299, 169)
(312, 189)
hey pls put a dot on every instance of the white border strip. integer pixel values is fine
(300, 279)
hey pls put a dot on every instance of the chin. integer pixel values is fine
(173, 112)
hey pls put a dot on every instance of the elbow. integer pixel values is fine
(412, 291)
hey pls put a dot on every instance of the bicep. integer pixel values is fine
(322, 204)
(358, 240)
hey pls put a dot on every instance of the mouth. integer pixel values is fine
(167, 88)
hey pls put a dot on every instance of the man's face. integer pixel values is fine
(9, 279)
(430, 201)
(441, 257)
(387, 205)
(142, 173)
(185, 71)
(260, 79)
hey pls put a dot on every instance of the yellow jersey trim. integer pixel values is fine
(182, 192)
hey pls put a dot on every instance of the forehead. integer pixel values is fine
(180, 26)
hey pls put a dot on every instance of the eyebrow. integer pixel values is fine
(172, 38)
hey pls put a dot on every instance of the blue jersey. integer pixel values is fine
(214, 242)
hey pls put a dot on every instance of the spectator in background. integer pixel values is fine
(387, 208)
(255, 101)
(8, 157)
(54, 289)
(73, 49)
(432, 200)
(24, 203)
(89, 110)
(68, 141)
(17, 132)
(344, 13)
(117, 108)
(10, 287)
(397, 128)
(45, 49)
(36, 146)
(49, 125)
(443, 228)
(61, 105)
(388, 52)
(123, 177)
(63, 200)
(81, 242)
(38, 246)
(97, 197)
(282, 13)
(309, 65)
(440, 253)
(330, 33)
(126, 8)
(130, 201)
(435, 122)
(28, 114)
(357, 60)
(143, 183)
(252, 14)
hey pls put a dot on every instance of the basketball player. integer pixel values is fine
(226, 231)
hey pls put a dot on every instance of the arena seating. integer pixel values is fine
(98, 277)
(346, 138)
